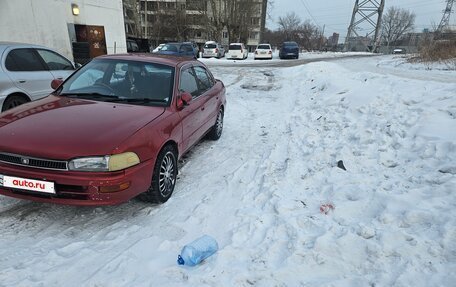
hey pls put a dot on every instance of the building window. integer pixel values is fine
(255, 21)
(254, 35)
(225, 35)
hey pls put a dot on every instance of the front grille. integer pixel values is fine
(33, 162)
(72, 192)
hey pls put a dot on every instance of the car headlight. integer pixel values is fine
(104, 163)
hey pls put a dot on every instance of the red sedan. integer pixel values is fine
(113, 130)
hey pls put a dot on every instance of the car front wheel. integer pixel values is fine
(163, 178)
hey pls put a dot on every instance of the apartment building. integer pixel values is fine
(224, 21)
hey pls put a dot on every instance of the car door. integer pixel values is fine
(191, 115)
(60, 67)
(28, 72)
(209, 99)
(186, 50)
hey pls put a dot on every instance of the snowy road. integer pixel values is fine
(259, 189)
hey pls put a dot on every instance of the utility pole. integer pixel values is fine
(445, 22)
(366, 12)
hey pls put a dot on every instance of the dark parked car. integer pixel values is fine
(113, 130)
(289, 50)
(178, 49)
(195, 48)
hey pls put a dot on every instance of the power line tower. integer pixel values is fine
(370, 12)
(445, 22)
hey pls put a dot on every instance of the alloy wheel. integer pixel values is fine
(167, 175)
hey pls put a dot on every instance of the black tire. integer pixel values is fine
(163, 178)
(14, 101)
(216, 131)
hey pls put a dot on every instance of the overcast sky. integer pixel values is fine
(336, 14)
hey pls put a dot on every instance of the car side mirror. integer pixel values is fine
(184, 100)
(77, 65)
(56, 83)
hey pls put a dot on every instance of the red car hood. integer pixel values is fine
(63, 128)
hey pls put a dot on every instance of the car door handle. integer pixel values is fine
(22, 81)
(60, 78)
(202, 108)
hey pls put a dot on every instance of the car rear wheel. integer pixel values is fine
(14, 101)
(216, 131)
(163, 178)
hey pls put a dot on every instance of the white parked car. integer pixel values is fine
(263, 51)
(213, 49)
(237, 51)
(26, 73)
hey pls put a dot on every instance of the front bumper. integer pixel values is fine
(81, 188)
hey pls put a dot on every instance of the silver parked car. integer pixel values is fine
(213, 49)
(26, 72)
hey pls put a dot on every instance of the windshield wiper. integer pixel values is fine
(97, 96)
(138, 100)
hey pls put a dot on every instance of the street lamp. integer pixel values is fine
(75, 9)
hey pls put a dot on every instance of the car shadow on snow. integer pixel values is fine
(20, 215)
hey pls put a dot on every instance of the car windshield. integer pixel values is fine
(290, 45)
(235, 47)
(210, 46)
(170, 48)
(264, 47)
(111, 80)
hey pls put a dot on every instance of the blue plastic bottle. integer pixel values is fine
(198, 250)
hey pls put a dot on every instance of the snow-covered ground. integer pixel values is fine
(260, 188)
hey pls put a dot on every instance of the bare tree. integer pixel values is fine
(396, 23)
(132, 19)
(289, 25)
(291, 28)
(234, 15)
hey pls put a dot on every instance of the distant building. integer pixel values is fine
(79, 29)
(188, 20)
(333, 40)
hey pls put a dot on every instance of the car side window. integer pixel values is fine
(24, 60)
(188, 82)
(54, 60)
(186, 48)
(203, 79)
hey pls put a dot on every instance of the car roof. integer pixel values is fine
(290, 42)
(168, 60)
(4, 45)
(20, 45)
(264, 44)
